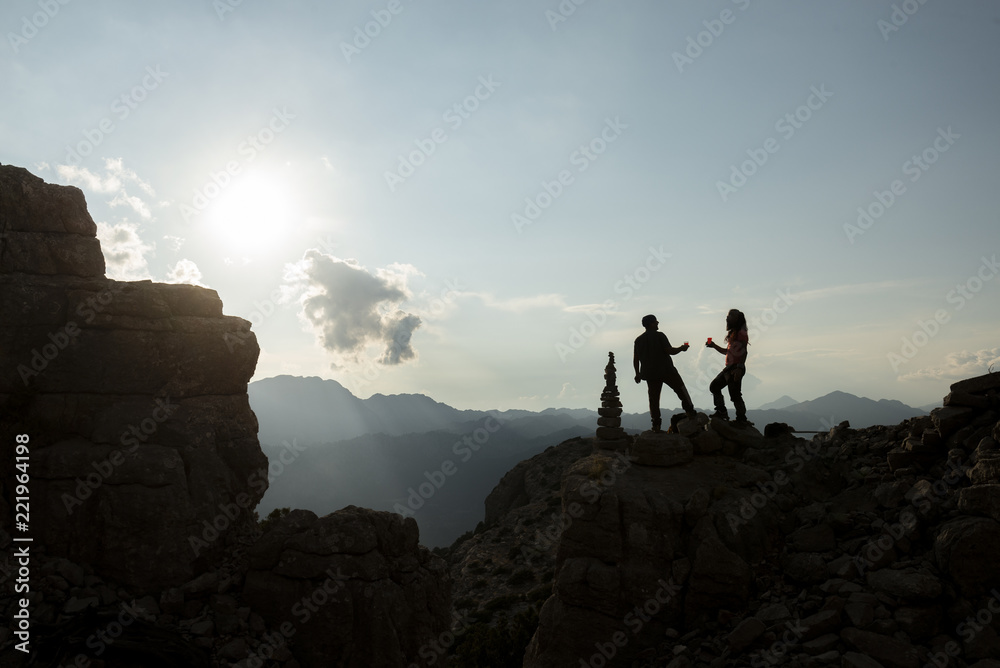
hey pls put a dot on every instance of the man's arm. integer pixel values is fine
(635, 361)
(669, 349)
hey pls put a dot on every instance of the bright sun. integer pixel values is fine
(252, 214)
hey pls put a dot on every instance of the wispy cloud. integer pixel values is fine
(959, 365)
(856, 289)
(133, 202)
(114, 179)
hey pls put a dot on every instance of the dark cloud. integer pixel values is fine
(352, 308)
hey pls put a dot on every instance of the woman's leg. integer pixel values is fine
(716, 389)
(736, 392)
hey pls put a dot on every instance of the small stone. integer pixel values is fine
(860, 614)
(771, 614)
(821, 645)
(855, 660)
(203, 627)
(172, 601)
(107, 594)
(820, 624)
(805, 567)
(149, 606)
(745, 633)
(234, 650)
(205, 582)
(73, 573)
(819, 538)
(75, 605)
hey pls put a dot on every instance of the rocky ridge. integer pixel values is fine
(859, 548)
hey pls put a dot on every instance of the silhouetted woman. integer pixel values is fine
(735, 351)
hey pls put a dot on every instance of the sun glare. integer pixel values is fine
(252, 214)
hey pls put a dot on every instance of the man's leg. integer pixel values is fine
(676, 384)
(716, 389)
(736, 393)
(654, 402)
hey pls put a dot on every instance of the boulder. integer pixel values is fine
(354, 585)
(978, 385)
(908, 585)
(949, 419)
(707, 442)
(47, 229)
(982, 499)
(890, 652)
(819, 538)
(918, 622)
(691, 427)
(744, 436)
(966, 399)
(986, 471)
(964, 549)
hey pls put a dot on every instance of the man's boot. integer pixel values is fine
(657, 424)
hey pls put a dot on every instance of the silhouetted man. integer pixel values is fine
(652, 363)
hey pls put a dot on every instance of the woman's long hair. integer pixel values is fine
(739, 322)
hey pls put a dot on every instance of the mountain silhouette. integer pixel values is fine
(783, 401)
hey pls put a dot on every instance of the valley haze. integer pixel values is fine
(411, 454)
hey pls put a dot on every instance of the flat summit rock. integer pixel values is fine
(661, 449)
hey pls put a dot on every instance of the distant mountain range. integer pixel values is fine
(377, 452)
(781, 402)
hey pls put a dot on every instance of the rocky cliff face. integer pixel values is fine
(143, 447)
(145, 470)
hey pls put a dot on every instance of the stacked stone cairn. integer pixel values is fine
(610, 435)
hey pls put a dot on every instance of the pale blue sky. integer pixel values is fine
(198, 82)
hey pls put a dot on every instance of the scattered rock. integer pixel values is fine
(743, 635)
